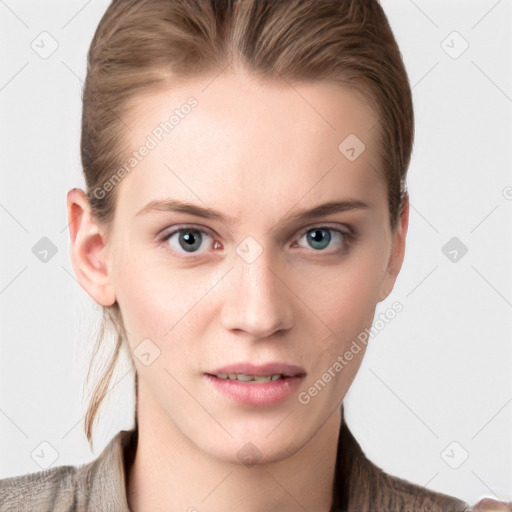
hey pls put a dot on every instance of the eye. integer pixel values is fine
(188, 239)
(320, 237)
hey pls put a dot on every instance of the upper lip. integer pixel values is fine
(287, 370)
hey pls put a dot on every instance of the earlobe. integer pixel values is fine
(88, 254)
(397, 255)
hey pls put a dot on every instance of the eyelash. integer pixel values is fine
(347, 241)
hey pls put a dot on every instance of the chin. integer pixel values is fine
(259, 441)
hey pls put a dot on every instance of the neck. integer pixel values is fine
(170, 472)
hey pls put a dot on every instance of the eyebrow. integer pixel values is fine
(178, 206)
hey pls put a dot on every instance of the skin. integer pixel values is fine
(491, 505)
(256, 151)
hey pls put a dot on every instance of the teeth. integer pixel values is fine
(249, 378)
(244, 378)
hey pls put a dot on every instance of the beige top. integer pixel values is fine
(100, 485)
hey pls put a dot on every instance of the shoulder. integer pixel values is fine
(368, 488)
(70, 488)
(413, 497)
(51, 489)
(400, 494)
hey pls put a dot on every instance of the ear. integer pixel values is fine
(88, 251)
(397, 250)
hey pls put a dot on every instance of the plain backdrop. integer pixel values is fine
(432, 402)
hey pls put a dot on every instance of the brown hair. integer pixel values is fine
(140, 45)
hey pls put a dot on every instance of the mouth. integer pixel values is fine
(250, 378)
(261, 385)
(248, 372)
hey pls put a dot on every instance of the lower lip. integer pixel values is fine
(256, 393)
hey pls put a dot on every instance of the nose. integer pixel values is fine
(257, 300)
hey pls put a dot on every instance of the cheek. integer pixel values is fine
(349, 292)
(348, 300)
(145, 301)
(161, 304)
(347, 306)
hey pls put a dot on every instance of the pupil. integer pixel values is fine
(319, 238)
(190, 240)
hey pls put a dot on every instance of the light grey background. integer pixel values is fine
(435, 386)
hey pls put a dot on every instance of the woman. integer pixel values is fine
(246, 210)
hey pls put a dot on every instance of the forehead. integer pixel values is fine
(251, 141)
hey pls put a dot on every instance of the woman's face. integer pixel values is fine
(266, 283)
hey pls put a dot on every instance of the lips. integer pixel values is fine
(268, 369)
(255, 385)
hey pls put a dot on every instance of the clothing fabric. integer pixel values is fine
(100, 485)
